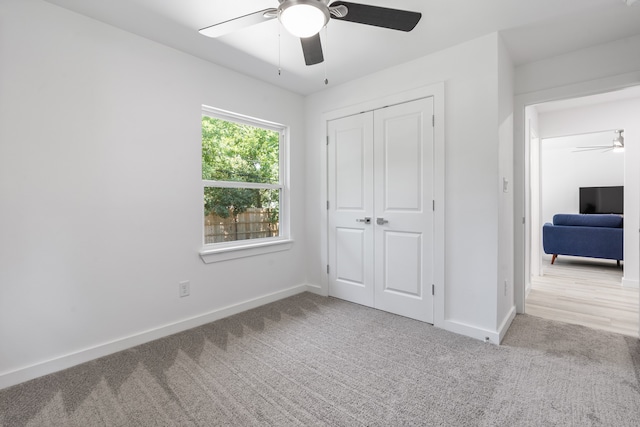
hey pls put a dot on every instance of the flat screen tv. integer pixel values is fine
(602, 200)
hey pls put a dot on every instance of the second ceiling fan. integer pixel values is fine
(305, 19)
(617, 145)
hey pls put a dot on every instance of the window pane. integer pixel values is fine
(238, 152)
(240, 213)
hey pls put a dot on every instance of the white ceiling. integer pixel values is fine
(532, 30)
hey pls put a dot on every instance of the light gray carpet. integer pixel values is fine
(309, 360)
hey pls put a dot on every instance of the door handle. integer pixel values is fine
(381, 221)
(366, 220)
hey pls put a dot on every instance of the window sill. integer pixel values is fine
(210, 254)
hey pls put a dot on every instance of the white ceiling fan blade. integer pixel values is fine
(226, 27)
(602, 148)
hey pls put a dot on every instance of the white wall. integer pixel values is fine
(597, 69)
(602, 66)
(564, 169)
(100, 191)
(472, 183)
(621, 114)
(505, 296)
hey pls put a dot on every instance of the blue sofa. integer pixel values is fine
(593, 235)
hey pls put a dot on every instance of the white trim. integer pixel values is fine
(317, 289)
(437, 91)
(470, 331)
(495, 337)
(208, 183)
(399, 98)
(628, 283)
(26, 373)
(232, 250)
(439, 214)
(504, 326)
(230, 116)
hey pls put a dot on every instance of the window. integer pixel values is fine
(243, 170)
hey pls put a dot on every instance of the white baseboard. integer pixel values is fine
(493, 337)
(504, 327)
(27, 373)
(316, 289)
(627, 283)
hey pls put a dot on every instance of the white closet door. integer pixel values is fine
(403, 136)
(380, 187)
(350, 181)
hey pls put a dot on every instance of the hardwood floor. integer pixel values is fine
(584, 292)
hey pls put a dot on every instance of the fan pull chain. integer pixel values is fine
(279, 51)
(326, 42)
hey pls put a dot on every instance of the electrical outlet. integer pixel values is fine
(183, 289)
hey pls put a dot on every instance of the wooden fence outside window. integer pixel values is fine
(252, 224)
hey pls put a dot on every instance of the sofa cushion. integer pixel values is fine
(589, 220)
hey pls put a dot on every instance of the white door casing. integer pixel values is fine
(380, 166)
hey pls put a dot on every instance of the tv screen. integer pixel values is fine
(602, 200)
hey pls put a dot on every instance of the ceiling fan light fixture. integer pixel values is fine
(303, 18)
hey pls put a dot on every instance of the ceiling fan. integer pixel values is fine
(305, 19)
(617, 145)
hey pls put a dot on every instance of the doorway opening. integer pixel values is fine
(569, 145)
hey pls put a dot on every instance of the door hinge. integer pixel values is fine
(327, 205)
(327, 139)
(433, 289)
(327, 268)
(433, 205)
(524, 220)
(433, 120)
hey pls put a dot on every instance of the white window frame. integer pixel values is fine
(222, 251)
